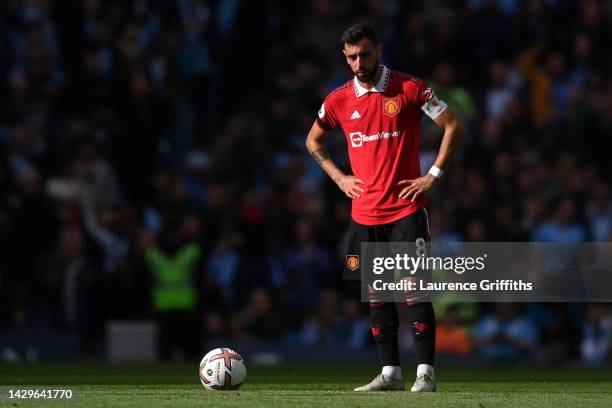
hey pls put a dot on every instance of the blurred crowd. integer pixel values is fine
(128, 126)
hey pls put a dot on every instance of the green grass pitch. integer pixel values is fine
(177, 385)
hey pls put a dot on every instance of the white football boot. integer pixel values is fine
(424, 383)
(383, 383)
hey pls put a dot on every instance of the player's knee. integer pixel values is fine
(416, 297)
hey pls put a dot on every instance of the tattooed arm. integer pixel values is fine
(349, 184)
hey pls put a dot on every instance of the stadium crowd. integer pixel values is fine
(141, 125)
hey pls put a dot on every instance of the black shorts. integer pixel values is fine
(407, 229)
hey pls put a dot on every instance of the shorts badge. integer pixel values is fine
(352, 262)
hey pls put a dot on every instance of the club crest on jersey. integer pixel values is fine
(391, 106)
(352, 262)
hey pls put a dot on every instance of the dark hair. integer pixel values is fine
(357, 32)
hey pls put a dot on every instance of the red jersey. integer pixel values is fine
(382, 128)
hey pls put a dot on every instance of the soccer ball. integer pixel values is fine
(222, 369)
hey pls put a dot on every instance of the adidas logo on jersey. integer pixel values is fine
(355, 115)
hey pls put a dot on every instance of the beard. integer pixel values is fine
(369, 75)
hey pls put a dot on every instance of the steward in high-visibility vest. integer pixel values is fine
(174, 284)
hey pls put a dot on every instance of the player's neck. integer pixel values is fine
(372, 83)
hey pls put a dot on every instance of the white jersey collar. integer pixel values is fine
(381, 86)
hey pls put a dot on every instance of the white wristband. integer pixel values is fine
(436, 171)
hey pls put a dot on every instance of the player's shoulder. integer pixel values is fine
(406, 80)
(341, 92)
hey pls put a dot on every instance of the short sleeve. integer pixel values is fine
(326, 117)
(429, 103)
